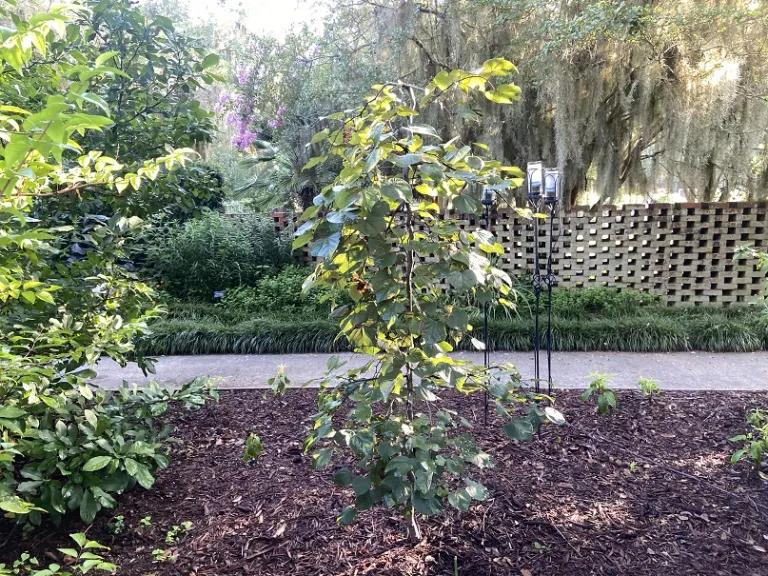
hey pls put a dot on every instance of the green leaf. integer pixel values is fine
(458, 319)
(518, 429)
(89, 507)
(432, 171)
(11, 412)
(314, 162)
(97, 463)
(406, 160)
(460, 500)
(427, 504)
(15, 506)
(253, 448)
(398, 191)
(443, 80)
(321, 458)
(91, 417)
(476, 490)
(16, 150)
(144, 477)
(497, 67)
(361, 485)
(324, 247)
(79, 538)
(103, 57)
(423, 130)
(467, 204)
(320, 136)
(348, 516)
(343, 477)
(433, 330)
(209, 61)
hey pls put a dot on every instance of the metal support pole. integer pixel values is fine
(537, 296)
(486, 351)
(550, 280)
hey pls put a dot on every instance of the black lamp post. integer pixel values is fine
(552, 193)
(535, 172)
(544, 188)
(488, 199)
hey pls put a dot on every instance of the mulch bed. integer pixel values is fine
(645, 490)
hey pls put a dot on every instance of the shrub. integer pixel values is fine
(74, 449)
(598, 301)
(214, 252)
(282, 293)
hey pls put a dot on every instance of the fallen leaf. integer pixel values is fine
(526, 572)
(280, 530)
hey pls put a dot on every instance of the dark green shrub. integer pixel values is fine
(282, 294)
(597, 301)
(213, 252)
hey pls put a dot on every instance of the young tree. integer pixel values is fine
(386, 238)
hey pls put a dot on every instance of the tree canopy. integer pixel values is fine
(633, 99)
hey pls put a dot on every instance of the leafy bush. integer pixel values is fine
(213, 252)
(66, 296)
(99, 443)
(599, 301)
(282, 293)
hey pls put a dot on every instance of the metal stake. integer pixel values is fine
(537, 295)
(486, 352)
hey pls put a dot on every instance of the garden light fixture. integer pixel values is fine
(544, 190)
(552, 186)
(535, 174)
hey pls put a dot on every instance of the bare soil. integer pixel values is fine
(647, 490)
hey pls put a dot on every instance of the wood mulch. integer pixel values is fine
(647, 490)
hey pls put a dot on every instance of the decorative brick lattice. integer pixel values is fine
(683, 252)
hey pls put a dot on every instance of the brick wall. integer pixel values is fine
(684, 252)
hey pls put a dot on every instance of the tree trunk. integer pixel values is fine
(414, 531)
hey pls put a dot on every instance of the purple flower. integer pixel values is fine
(243, 75)
(244, 139)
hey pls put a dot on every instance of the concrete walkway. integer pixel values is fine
(673, 371)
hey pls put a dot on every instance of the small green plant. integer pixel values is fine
(116, 525)
(633, 467)
(253, 448)
(145, 522)
(754, 444)
(648, 386)
(81, 560)
(161, 555)
(177, 531)
(606, 398)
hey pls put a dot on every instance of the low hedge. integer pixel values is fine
(712, 331)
